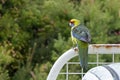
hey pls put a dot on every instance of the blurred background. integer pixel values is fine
(34, 33)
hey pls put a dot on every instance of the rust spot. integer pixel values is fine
(107, 46)
(96, 46)
(115, 45)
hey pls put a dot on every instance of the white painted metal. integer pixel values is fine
(104, 48)
(93, 49)
(102, 73)
(62, 60)
(91, 76)
(116, 68)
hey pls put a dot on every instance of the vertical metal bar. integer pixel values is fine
(82, 73)
(67, 71)
(97, 59)
(113, 57)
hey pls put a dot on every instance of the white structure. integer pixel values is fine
(93, 49)
(107, 72)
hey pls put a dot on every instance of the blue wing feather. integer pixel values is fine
(81, 33)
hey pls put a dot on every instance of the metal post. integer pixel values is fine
(67, 71)
(113, 57)
(97, 58)
(62, 60)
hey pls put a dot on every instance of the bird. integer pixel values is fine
(81, 38)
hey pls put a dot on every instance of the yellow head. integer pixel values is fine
(74, 22)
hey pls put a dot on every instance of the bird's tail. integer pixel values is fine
(83, 54)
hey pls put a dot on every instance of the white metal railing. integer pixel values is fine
(67, 73)
(96, 49)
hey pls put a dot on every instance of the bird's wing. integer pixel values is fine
(81, 33)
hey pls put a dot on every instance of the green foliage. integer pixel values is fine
(40, 72)
(4, 74)
(5, 57)
(37, 32)
(101, 17)
(60, 46)
(22, 74)
(5, 60)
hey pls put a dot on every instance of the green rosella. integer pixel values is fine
(81, 38)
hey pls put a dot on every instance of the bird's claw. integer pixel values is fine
(75, 49)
